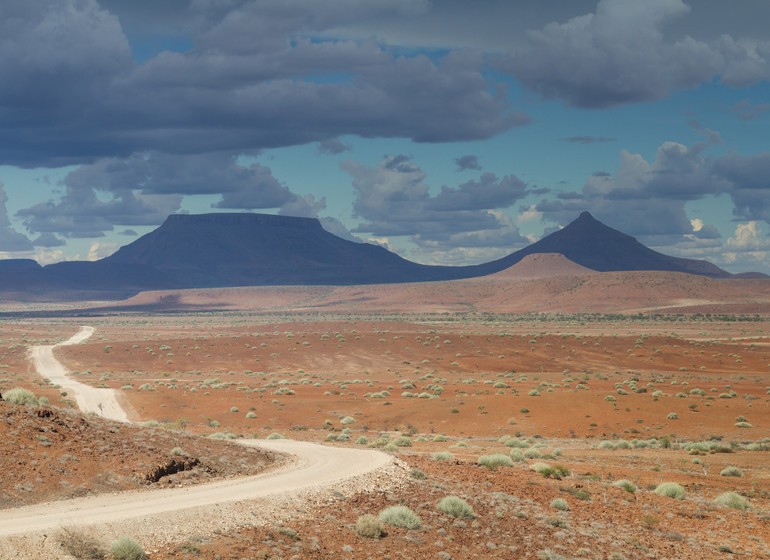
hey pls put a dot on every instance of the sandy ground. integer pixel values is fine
(168, 514)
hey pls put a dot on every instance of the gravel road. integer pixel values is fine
(313, 473)
(100, 401)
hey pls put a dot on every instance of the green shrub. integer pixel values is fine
(400, 516)
(516, 455)
(731, 471)
(362, 440)
(402, 441)
(496, 460)
(670, 490)
(560, 504)
(417, 474)
(17, 395)
(456, 507)
(626, 485)
(177, 451)
(439, 438)
(369, 526)
(126, 548)
(673, 416)
(540, 467)
(275, 435)
(251, 415)
(348, 420)
(442, 456)
(743, 425)
(733, 500)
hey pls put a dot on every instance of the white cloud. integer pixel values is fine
(99, 250)
(530, 215)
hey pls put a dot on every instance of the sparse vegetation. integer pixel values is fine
(731, 471)
(733, 500)
(456, 507)
(670, 490)
(495, 460)
(369, 526)
(400, 516)
(20, 396)
(81, 545)
(126, 548)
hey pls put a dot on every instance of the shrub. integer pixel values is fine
(369, 526)
(439, 438)
(126, 548)
(743, 425)
(540, 467)
(417, 474)
(626, 485)
(670, 490)
(251, 415)
(532, 453)
(348, 420)
(456, 507)
(560, 504)
(400, 516)
(362, 440)
(177, 451)
(516, 455)
(495, 460)
(673, 416)
(233, 409)
(80, 545)
(275, 435)
(733, 500)
(17, 395)
(402, 441)
(442, 456)
(731, 471)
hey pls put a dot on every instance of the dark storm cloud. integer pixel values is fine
(48, 240)
(394, 200)
(10, 239)
(589, 139)
(333, 146)
(750, 179)
(649, 198)
(467, 162)
(620, 55)
(71, 93)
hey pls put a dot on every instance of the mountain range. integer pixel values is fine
(228, 249)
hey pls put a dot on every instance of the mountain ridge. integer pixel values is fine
(250, 249)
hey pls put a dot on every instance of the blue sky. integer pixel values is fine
(451, 132)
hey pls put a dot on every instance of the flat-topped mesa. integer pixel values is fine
(242, 219)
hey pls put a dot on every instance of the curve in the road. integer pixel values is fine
(100, 401)
(314, 467)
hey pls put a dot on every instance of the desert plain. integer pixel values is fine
(554, 428)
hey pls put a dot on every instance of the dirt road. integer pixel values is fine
(100, 401)
(314, 466)
(166, 515)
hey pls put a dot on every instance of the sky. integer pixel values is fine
(451, 132)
